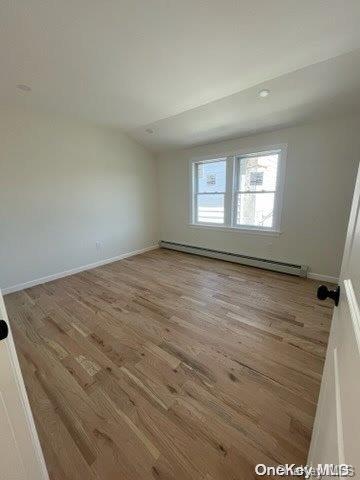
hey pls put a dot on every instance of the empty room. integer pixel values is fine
(179, 239)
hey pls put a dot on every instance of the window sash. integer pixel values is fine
(237, 192)
(196, 166)
(237, 206)
(196, 193)
(197, 209)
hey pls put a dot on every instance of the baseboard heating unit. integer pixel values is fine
(292, 269)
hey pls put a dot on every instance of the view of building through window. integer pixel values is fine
(256, 193)
(249, 198)
(211, 187)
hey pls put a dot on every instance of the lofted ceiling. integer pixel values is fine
(322, 90)
(189, 69)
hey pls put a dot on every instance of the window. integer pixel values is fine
(256, 179)
(239, 191)
(210, 188)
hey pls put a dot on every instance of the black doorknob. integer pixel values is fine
(323, 293)
(4, 329)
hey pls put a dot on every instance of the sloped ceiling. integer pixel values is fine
(187, 69)
(322, 90)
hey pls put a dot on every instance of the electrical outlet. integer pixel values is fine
(98, 245)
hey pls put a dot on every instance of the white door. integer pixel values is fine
(20, 452)
(336, 433)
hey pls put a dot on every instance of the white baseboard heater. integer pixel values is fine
(290, 268)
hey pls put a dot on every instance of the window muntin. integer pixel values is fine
(239, 191)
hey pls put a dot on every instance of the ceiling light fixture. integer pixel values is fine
(23, 88)
(264, 93)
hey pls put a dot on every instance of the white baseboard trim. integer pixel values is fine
(66, 273)
(322, 278)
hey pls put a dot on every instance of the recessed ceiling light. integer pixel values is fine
(23, 88)
(150, 131)
(264, 93)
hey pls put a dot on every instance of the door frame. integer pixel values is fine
(13, 358)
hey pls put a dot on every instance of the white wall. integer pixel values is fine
(65, 185)
(320, 174)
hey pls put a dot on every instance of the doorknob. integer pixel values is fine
(323, 293)
(4, 329)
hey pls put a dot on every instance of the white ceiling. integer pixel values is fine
(322, 90)
(134, 63)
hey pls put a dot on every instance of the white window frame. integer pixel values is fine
(195, 194)
(231, 191)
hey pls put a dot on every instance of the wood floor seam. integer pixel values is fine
(171, 366)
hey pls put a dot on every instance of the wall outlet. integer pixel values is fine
(98, 245)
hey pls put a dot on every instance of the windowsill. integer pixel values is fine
(251, 231)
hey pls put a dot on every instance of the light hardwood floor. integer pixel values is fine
(171, 366)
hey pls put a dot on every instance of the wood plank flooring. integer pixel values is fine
(171, 366)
